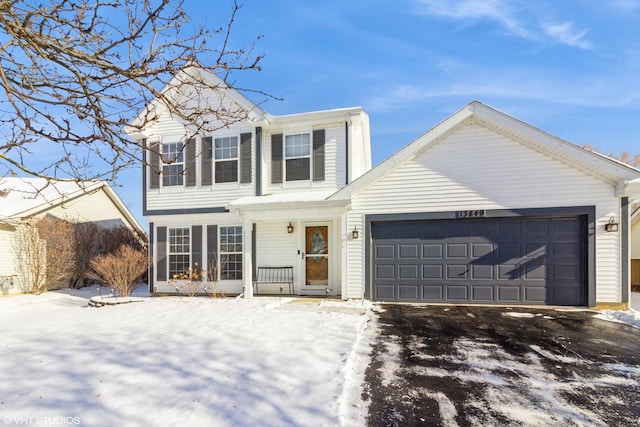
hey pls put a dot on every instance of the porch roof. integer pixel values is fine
(297, 200)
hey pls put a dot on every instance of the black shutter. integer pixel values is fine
(162, 254)
(212, 252)
(190, 162)
(207, 159)
(196, 248)
(245, 158)
(154, 165)
(318, 155)
(276, 159)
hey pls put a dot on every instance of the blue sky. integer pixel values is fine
(571, 67)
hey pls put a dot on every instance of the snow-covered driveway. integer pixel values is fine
(499, 366)
(182, 361)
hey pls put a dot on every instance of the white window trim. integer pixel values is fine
(221, 253)
(163, 164)
(215, 161)
(170, 252)
(308, 156)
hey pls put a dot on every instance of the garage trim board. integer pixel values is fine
(542, 256)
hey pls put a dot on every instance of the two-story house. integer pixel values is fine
(482, 208)
(251, 193)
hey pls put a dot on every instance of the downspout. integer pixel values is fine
(625, 242)
(346, 139)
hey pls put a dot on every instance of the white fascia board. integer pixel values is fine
(316, 117)
(629, 189)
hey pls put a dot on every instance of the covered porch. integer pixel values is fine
(302, 234)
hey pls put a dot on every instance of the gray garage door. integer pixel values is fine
(506, 261)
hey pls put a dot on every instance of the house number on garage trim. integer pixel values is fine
(478, 213)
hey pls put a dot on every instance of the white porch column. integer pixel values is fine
(247, 257)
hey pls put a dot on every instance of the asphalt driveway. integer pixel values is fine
(492, 366)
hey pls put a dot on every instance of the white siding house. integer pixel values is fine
(22, 198)
(483, 208)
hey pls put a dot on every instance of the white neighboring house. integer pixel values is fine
(22, 198)
(483, 208)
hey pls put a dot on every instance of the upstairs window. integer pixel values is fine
(297, 155)
(172, 164)
(226, 159)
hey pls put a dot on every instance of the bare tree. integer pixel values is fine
(30, 258)
(74, 73)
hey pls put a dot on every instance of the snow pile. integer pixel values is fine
(631, 316)
(184, 361)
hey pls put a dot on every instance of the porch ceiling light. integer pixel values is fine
(611, 226)
(354, 233)
(289, 228)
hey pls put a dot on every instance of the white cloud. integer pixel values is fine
(566, 34)
(518, 20)
(627, 5)
(493, 10)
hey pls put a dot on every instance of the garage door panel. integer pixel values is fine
(385, 292)
(535, 269)
(565, 249)
(479, 272)
(509, 272)
(383, 272)
(482, 293)
(457, 250)
(408, 292)
(457, 272)
(536, 228)
(569, 226)
(504, 260)
(509, 252)
(508, 294)
(433, 293)
(408, 251)
(565, 272)
(457, 292)
(385, 251)
(432, 272)
(408, 271)
(432, 250)
(481, 250)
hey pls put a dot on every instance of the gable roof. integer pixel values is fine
(625, 178)
(25, 197)
(208, 80)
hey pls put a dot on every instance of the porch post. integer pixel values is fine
(247, 257)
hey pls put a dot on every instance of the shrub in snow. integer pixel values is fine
(120, 270)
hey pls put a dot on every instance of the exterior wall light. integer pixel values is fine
(611, 226)
(289, 228)
(354, 233)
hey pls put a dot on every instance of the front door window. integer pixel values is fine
(317, 255)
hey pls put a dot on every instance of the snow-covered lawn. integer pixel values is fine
(189, 361)
(182, 361)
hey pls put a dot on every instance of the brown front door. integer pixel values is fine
(316, 255)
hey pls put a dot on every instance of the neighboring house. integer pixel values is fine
(22, 198)
(483, 208)
(635, 249)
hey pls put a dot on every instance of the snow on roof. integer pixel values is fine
(18, 195)
(289, 197)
